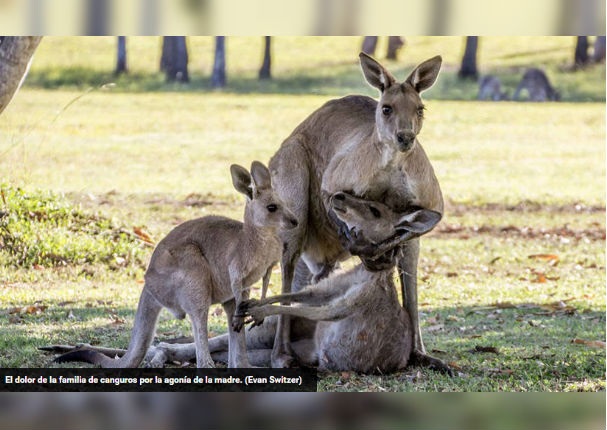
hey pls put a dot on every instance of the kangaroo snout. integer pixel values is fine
(405, 139)
(289, 221)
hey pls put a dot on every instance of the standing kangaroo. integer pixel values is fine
(206, 261)
(369, 149)
(538, 87)
(361, 324)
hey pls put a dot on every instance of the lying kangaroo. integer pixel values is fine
(490, 88)
(205, 261)
(369, 149)
(538, 86)
(361, 325)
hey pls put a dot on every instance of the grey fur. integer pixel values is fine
(490, 88)
(538, 86)
(350, 145)
(206, 261)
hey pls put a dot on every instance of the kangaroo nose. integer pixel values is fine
(339, 196)
(405, 138)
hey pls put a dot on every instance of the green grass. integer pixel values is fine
(520, 179)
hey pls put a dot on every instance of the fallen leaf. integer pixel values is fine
(143, 235)
(544, 257)
(451, 275)
(494, 260)
(454, 365)
(504, 305)
(540, 278)
(439, 351)
(489, 349)
(346, 375)
(592, 343)
(118, 321)
(3, 196)
(140, 281)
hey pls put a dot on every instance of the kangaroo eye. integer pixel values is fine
(420, 112)
(271, 208)
(386, 110)
(375, 212)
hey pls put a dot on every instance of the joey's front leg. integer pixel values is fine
(266, 281)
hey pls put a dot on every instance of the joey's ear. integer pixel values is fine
(242, 180)
(418, 222)
(261, 176)
(424, 75)
(375, 74)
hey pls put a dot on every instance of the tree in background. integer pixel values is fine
(580, 58)
(369, 45)
(395, 43)
(266, 67)
(15, 56)
(468, 68)
(174, 58)
(218, 78)
(121, 56)
(599, 49)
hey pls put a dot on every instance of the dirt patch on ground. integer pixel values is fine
(458, 208)
(554, 233)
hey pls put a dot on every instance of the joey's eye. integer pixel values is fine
(386, 110)
(271, 208)
(375, 212)
(420, 112)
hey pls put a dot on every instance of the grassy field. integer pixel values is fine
(311, 65)
(520, 180)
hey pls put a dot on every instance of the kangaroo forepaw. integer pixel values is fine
(419, 358)
(237, 323)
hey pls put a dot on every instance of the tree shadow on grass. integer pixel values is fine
(343, 79)
(524, 348)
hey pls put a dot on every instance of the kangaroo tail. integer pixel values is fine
(141, 339)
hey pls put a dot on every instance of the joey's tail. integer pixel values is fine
(143, 333)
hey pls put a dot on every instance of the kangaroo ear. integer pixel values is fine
(261, 176)
(418, 222)
(241, 179)
(424, 75)
(375, 74)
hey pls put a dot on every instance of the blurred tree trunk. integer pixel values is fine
(468, 69)
(15, 56)
(121, 56)
(394, 44)
(369, 45)
(174, 58)
(581, 51)
(97, 17)
(599, 49)
(266, 68)
(218, 79)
